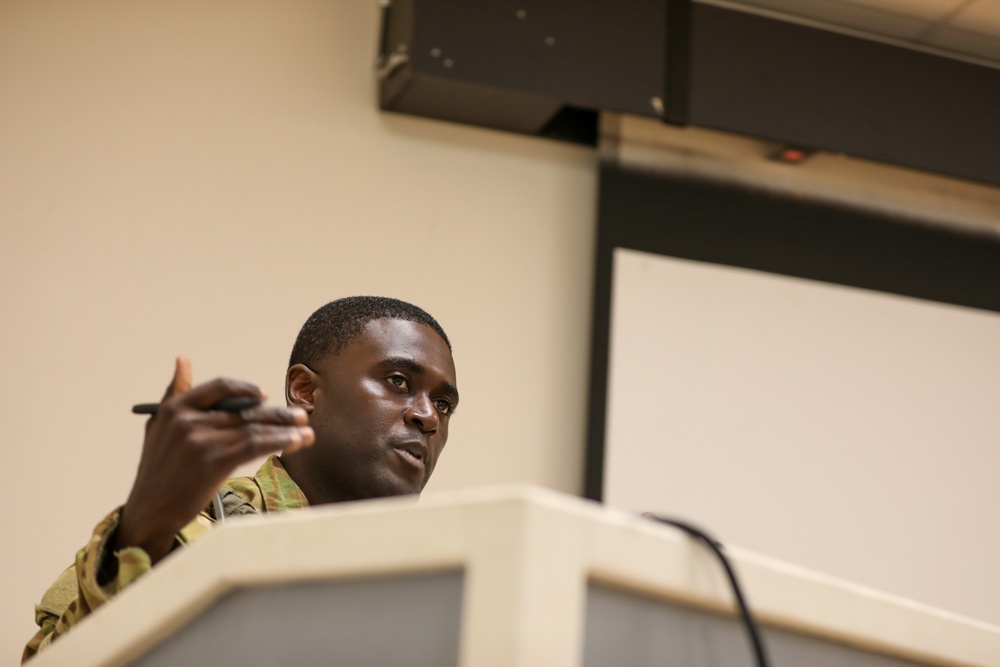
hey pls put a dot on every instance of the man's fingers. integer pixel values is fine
(267, 439)
(291, 416)
(204, 396)
(253, 437)
(236, 446)
(280, 416)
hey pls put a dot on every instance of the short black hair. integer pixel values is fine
(334, 325)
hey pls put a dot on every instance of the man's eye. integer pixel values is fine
(398, 380)
(443, 406)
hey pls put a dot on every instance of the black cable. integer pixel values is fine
(748, 620)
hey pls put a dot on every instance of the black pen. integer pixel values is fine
(236, 404)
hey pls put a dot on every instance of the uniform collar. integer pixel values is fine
(279, 491)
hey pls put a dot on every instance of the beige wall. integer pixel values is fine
(196, 177)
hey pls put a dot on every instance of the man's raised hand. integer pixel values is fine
(189, 450)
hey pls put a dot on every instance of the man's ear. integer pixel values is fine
(300, 387)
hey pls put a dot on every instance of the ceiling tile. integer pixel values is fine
(963, 27)
(855, 15)
(967, 42)
(982, 16)
(929, 10)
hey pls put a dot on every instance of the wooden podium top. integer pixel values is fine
(528, 559)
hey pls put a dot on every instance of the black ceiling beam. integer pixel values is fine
(547, 67)
(825, 90)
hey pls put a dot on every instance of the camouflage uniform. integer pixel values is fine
(98, 574)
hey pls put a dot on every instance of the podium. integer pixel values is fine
(501, 577)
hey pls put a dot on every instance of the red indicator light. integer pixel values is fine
(791, 155)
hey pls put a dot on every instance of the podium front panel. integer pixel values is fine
(624, 628)
(411, 621)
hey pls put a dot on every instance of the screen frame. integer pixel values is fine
(738, 226)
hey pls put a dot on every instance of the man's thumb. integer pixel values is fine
(181, 382)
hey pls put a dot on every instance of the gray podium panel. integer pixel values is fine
(411, 621)
(624, 628)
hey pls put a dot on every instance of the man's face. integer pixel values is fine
(380, 411)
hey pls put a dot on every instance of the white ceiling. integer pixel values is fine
(969, 28)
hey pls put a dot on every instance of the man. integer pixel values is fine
(370, 390)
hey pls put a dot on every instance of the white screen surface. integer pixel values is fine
(852, 432)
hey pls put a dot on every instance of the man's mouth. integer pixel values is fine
(414, 453)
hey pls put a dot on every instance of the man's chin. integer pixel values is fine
(392, 485)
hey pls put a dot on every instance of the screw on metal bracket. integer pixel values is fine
(386, 66)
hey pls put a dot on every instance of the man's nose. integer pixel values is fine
(421, 413)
